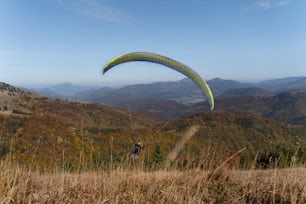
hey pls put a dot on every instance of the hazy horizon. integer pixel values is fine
(38, 86)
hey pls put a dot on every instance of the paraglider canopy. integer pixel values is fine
(173, 64)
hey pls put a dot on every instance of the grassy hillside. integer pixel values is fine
(18, 185)
(224, 134)
(45, 132)
(15, 101)
(74, 136)
(77, 135)
(57, 151)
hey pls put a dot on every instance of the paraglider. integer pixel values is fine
(173, 64)
(136, 149)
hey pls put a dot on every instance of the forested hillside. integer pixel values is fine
(74, 135)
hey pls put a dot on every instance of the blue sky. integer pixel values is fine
(52, 41)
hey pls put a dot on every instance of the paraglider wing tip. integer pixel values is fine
(105, 68)
(212, 105)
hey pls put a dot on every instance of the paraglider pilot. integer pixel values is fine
(137, 148)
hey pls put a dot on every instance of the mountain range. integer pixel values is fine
(282, 99)
(289, 107)
(170, 90)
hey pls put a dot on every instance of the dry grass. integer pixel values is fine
(135, 186)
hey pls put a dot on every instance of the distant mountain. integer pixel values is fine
(299, 84)
(68, 88)
(244, 92)
(219, 86)
(163, 99)
(52, 94)
(284, 84)
(183, 91)
(231, 96)
(64, 91)
(91, 95)
(288, 107)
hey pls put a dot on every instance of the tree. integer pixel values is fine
(157, 155)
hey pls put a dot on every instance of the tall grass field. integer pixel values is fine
(135, 185)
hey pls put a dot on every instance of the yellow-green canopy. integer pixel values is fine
(155, 58)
